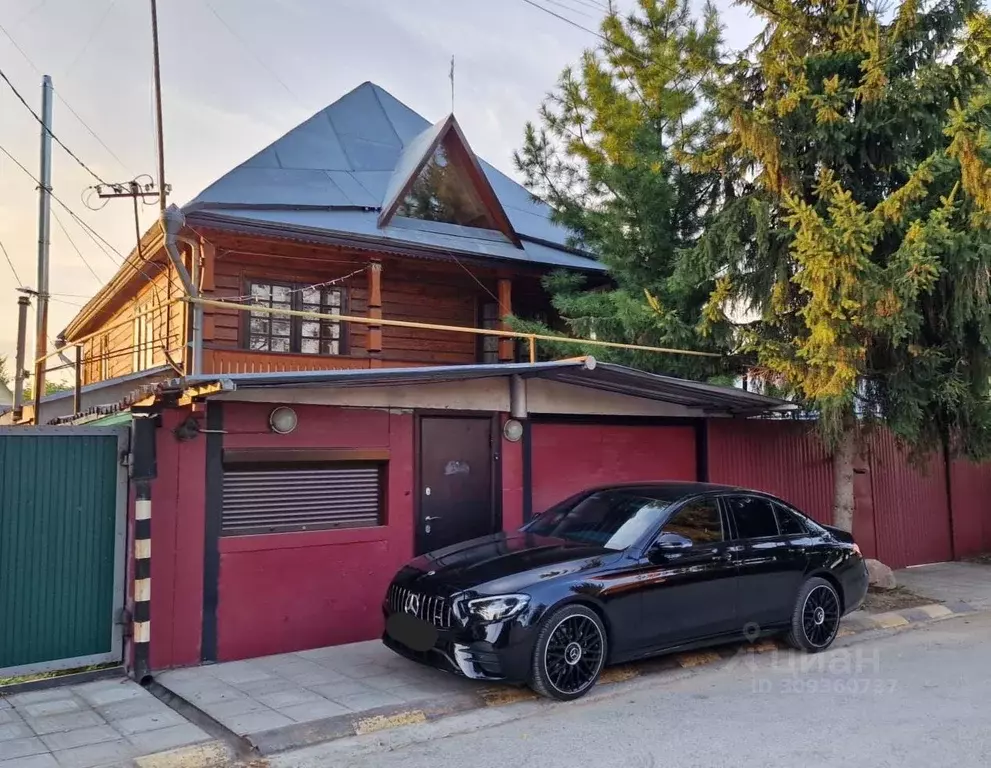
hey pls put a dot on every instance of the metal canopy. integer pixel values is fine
(580, 372)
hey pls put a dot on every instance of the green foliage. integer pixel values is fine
(4, 376)
(856, 151)
(51, 387)
(610, 157)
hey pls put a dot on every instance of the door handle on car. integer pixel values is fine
(428, 518)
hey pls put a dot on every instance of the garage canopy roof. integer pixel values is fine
(580, 372)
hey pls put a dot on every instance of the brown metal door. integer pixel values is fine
(455, 483)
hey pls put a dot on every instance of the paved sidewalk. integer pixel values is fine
(109, 722)
(950, 582)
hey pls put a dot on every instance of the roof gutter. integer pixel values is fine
(172, 222)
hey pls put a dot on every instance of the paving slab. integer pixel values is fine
(103, 723)
(968, 583)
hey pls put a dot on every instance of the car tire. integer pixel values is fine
(569, 654)
(815, 619)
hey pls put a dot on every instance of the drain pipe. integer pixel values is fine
(172, 223)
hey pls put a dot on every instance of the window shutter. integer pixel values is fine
(258, 500)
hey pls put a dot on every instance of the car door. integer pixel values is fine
(688, 578)
(771, 566)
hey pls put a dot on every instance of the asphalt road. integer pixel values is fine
(918, 697)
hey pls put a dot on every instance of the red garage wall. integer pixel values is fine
(569, 457)
(970, 488)
(290, 591)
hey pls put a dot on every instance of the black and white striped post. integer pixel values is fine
(143, 471)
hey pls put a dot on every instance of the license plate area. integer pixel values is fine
(413, 632)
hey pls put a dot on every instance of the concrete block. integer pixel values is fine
(144, 723)
(307, 713)
(18, 748)
(935, 611)
(67, 722)
(105, 692)
(8, 716)
(80, 737)
(129, 708)
(108, 752)
(4, 703)
(222, 710)
(210, 754)
(361, 702)
(33, 697)
(167, 738)
(335, 691)
(890, 620)
(253, 722)
(236, 672)
(16, 730)
(42, 760)
(288, 698)
(53, 707)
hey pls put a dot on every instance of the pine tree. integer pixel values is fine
(607, 157)
(858, 222)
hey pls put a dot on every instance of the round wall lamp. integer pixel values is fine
(283, 420)
(512, 430)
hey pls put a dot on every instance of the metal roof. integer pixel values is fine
(347, 158)
(581, 372)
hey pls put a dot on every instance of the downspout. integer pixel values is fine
(172, 223)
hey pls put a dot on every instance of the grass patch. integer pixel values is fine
(17, 680)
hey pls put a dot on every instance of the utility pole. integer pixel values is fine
(23, 302)
(44, 243)
(162, 188)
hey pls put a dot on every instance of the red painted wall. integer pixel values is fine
(512, 483)
(782, 458)
(570, 457)
(971, 492)
(177, 524)
(290, 591)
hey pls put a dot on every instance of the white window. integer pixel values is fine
(143, 340)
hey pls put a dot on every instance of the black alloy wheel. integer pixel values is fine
(569, 653)
(816, 618)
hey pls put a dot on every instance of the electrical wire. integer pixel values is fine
(92, 34)
(10, 263)
(75, 248)
(303, 289)
(56, 139)
(251, 51)
(559, 4)
(62, 98)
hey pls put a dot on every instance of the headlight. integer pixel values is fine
(498, 608)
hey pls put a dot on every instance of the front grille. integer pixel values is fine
(435, 610)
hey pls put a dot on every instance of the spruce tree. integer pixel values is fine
(857, 224)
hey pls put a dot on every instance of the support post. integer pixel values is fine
(143, 471)
(23, 302)
(44, 244)
(77, 393)
(375, 308)
(506, 344)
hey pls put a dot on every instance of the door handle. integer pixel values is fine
(428, 518)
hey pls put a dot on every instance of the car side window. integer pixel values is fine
(697, 521)
(789, 523)
(754, 517)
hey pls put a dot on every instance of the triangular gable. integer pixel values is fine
(438, 178)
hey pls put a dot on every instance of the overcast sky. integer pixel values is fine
(235, 83)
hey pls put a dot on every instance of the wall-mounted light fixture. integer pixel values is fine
(512, 430)
(283, 420)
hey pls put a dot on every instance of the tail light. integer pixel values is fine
(856, 549)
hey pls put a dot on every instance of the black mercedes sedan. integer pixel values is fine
(620, 573)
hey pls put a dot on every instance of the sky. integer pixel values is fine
(236, 75)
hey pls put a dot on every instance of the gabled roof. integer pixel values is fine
(338, 169)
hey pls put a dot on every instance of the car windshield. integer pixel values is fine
(613, 519)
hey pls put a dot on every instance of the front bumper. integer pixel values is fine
(498, 651)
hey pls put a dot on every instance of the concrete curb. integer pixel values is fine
(278, 740)
(209, 754)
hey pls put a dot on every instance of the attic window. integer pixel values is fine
(444, 191)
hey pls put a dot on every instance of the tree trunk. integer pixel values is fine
(843, 459)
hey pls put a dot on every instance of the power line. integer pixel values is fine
(68, 106)
(251, 51)
(75, 248)
(51, 133)
(10, 263)
(92, 34)
(559, 4)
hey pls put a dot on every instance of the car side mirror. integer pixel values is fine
(668, 544)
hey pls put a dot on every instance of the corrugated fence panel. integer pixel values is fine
(911, 512)
(58, 499)
(971, 495)
(779, 457)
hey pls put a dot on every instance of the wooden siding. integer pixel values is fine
(413, 289)
(116, 346)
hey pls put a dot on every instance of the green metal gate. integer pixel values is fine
(63, 499)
